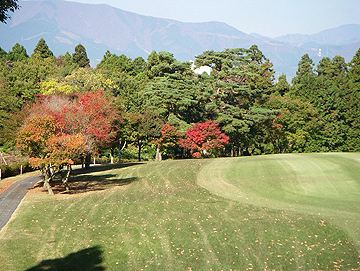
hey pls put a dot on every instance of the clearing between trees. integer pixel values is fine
(291, 211)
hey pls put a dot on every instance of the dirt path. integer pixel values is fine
(11, 198)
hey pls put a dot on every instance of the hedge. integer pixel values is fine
(14, 169)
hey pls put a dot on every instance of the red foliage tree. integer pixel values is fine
(204, 139)
(62, 129)
(169, 139)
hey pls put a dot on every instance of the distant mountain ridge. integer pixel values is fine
(342, 35)
(101, 27)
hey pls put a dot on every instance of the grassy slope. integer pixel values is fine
(163, 220)
(326, 185)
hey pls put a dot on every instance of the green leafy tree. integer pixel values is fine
(23, 78)
(331, 88)
(324, 67)
(80, 56)
(138, 66)
(144, 128)
(299, 123)
(8, 101)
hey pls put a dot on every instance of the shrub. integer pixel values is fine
(14, 169)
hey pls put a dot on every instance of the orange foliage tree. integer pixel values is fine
(60, 130)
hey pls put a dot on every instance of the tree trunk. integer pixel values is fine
(47, 179)
(112, 156)
(66, 179)
(121, 148)
(120, 154)
(158, 154)
(139, 144)
(2, 156)
(87, 161)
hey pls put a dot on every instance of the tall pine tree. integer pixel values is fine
(80, 56)
(42, 49)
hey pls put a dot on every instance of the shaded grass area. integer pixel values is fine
(82, 180)
(89, 259)
(165, 221)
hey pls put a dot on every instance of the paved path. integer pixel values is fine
(11, 198)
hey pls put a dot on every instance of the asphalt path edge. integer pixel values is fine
(12, 197)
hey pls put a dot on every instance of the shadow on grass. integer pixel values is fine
(82, 181)
(99, 168)
(86, 259)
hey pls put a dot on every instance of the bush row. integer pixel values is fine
(14, 169)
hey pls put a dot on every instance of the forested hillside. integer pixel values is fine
(159, 107)
(64, 24)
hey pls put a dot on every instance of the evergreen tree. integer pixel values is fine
(353, 99)
(305, 66)
(80, 56)
(107, 55)
(3, 54)
(42, 49)
(324, 67)
(354, 71)
(24, 77)
(282, 86)
(114, 63)
(17, 53)
(67, 64)
(239, 79)
(304, 81)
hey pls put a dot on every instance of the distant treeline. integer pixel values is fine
(317, 112)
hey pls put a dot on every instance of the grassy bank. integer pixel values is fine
(266, 212)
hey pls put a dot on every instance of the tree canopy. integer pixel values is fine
(62, 111)
(7, 6)
(80, 56)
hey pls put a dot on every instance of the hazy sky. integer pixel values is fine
(266, 17)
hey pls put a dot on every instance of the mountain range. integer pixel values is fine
(100, 27)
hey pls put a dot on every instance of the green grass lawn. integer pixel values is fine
(281, 212)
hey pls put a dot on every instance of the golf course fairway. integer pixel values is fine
(270, 212)
(327, 185)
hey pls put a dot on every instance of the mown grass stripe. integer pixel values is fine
(164, 220)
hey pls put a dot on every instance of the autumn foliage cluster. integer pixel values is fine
(204, 139)
(131, 108)
(62, 129)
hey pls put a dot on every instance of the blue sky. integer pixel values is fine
(266, 17)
